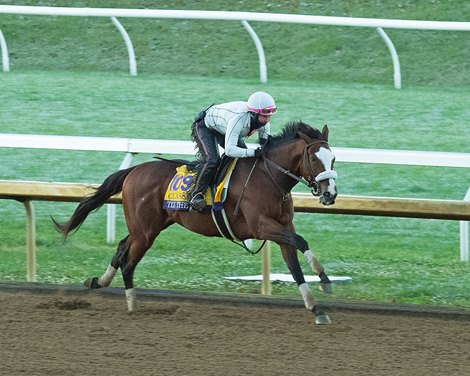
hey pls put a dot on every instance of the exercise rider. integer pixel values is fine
(227, 124)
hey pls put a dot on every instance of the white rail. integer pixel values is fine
(244, 17)
(132, 146)
(139, 145)
(125, 145)
(237, 16)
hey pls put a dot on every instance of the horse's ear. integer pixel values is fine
(325, 132)
(304, 137)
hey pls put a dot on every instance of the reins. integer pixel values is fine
(269, 162)
(284, 171)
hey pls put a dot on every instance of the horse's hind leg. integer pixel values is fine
(118, 259)
(137, 246)
(127, 256)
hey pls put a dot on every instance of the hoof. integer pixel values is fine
(327, 288)
(322, 319)
(92, 283)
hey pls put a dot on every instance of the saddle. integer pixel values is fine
(177, 193)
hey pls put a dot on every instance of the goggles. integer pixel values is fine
(264, 111)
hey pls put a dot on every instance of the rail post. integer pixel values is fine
(30, 242)
(266, 268)
(5, 58)
(464, 234)
(263, 71)
(129, 46)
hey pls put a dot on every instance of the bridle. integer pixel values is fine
(310, 180)
(327, 174)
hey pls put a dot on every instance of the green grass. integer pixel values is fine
(389, 259)
(394, 260)
(65, 80)
(223, 49)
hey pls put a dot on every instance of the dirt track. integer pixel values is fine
(68, 333)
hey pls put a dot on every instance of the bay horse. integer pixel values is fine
(259, 190)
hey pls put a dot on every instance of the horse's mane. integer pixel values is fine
(290, 132)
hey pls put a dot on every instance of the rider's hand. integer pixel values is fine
(259, 152)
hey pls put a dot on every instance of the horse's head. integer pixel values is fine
(317, 167)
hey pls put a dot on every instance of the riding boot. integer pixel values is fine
(198, 199)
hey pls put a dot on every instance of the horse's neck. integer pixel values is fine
(289, 157)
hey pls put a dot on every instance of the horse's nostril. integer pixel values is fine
(328, 198)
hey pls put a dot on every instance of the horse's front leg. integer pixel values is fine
(290, 257)
(296, 241)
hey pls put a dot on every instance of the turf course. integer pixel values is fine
(389, 259)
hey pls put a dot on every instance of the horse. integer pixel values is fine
(258, 205)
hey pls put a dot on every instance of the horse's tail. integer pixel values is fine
(111, 186)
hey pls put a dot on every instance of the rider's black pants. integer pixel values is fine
(207, 142)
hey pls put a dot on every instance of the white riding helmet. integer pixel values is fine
(261, 103)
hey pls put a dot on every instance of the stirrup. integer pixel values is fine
(198, 202)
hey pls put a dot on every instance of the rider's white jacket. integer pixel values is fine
(232, 119)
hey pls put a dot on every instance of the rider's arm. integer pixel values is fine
(236, 125)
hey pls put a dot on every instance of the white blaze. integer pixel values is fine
(326, 157)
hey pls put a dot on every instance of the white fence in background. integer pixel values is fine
(131, 146)
(5, 59)
(244, 17)
(139, 145)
